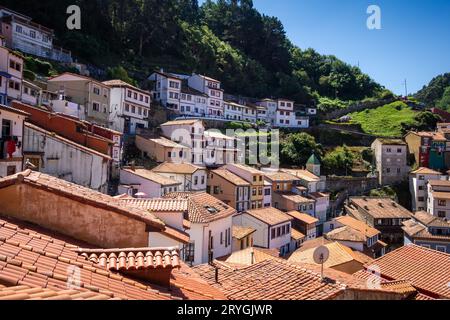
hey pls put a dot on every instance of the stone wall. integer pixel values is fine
(353, 185)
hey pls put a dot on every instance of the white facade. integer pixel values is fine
(271, 107)
(267, 201)
(263, 237)
(391, 160)
(438, 202)
(322, 204)
(221, 239)
(212, 88)
(11, 75)
(30, 93)
(129, 107)
(233, 111)
(69, 108)
(192, 103)
(418, 188)
(196, 182)
(12, 122)
(132, 183)
(65, 159)
(167, 90)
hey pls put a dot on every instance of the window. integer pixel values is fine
(267, 192)
(188, 252)
(96, 90)
(33, 34)
(441, 214)
(195, 181)
(135, 96)
(441, 249)
(272, 235)
(96, 106)
(127, 107)
(19, 29)
(216, 190)
(221, 238)
(421, 178)
(129, 94)
(421, 199)
(146, 99)
(442, 203)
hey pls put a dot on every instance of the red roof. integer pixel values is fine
(33, 257)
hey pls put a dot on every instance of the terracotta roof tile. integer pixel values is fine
(427, 270)
(358, 225)
(296, 198)
(179, 168)
(272, 279)
(302, 174)
(79, 193)
(281, 176)
(23, 292)
(231, 177)
(304, 217)
(51, 272)
(297, 235)
(346, 234)
(158, 205)
(380, 208)
(152, 176)
(270, 216)
(240, 232)
(203, 207)
(244, 257)
(423, 170)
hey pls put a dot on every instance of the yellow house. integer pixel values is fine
(163, 150)
(255, 178)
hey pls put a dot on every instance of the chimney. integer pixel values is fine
(216, 274)
(133, 166)
(252, 257)
(161, 70)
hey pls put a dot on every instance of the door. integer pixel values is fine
(5, 135)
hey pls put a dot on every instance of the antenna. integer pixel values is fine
(320, 256)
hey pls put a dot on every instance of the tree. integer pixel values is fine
(423, 121)
(444, 103)
(120, 73)
(339, 161)
(297, 148)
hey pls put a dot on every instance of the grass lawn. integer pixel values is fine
(386, 120)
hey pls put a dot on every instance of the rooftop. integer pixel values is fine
(203, 207)
(427, 270)
(297, 235)
(33, 257)
(152, 176)
(281, 176)
(296, 198)
(302, 174)
(246, 168)
(381, 208)
(158, 205)
(270, 216)
(304, 217)
(346, 234)
(244, 257)
(240, 232)
(423, 170)
(358, 225)
(231, 177)
(168, 143)
(339, 255)
(13, 110)
(181, 122)
(179, 168)
(120, 83)
(391, 142)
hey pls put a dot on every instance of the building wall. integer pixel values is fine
(150, 188)
(159, 152)
(391, 162)
(432, 244)
(100, 227)
(261, 236)
(418, 188)
(187, 180)
(16, 121)
(229, 193)
(66, 161)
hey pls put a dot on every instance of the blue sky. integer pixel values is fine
(413, 44)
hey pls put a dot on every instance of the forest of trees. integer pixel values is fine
(227, 39)
(437, 92)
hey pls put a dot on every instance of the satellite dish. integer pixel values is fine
(321, 255)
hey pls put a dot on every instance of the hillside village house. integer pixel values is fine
(137, 180)
(219, 149)
(418, 181)
(163, 150)
(233, 111)
(11, 76)
(255, 178)
(383, 214)
(92, 94)
(305, 224)
(242, 238)
(189, 133)
(191, 177)
(310, 181)
(192, 102)
(267, 200)
(59, 103)
(273, 228)
(62, 158)
(129, 107)
(355, 234)
(285, 115)
(30, 93)
(250, 113)
(230, 188)
(167, 89)
(428, 231)
(428, 148)
(271, 110)
(212, 88)
(211, 223)
(391, 159)
(438, 201)
(21, 33)
(11, 140)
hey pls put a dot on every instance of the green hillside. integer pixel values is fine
(386, 120)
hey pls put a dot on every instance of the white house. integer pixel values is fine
(233, 111)
(191, 177)
(273, 228)
(219, 149)
(438, 202)
(189, 133)
(30, 93)
(322, 205)
(11, 75)
(192, 102)
(418, 181)
(167, 89)
(210, 228)
(271, 107)
(60, 157)
(250, 113)
(212, 88)
(146, 183)
(23, 34)
(267, 200)
(129, 107)
(285, 115)
(11, 140)
(61, 105)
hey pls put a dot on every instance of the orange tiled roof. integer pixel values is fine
(423, 170)
(120, 83)
(427, 270)
(296, 198)
(35, 257)
(272, 279)
(231, 177)
(304, 217)
(133, 259)
(281, 176)
(302, 174)
(168, 143)
(240, 232)
(346, 234)
(180, 168)
(81, 194)
(158, 205)
(244, 257)
(296, 235)
(381, 208)
(356, 224)
(39, 293)
(270, 216)
(152, 176)
(203, 207)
